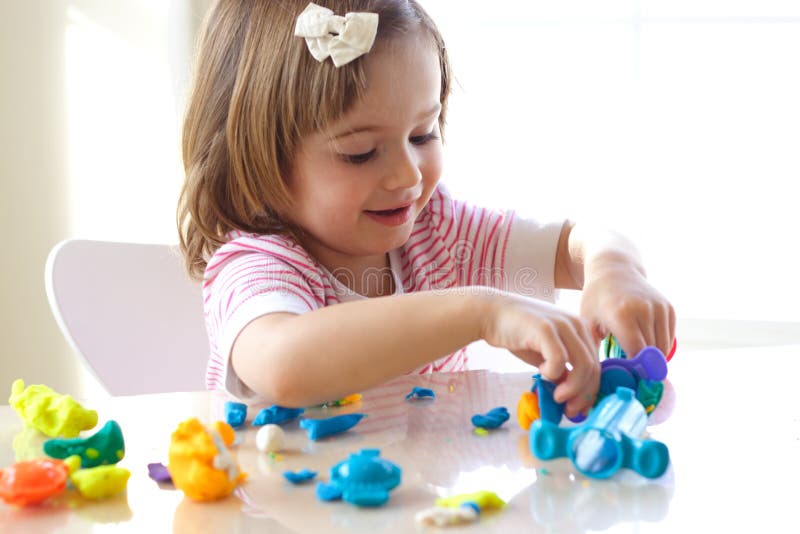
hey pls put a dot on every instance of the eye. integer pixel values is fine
(424, 139)
(357, 159)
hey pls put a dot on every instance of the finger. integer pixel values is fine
(661, 327)
(554, 353)
(582, 382)
(580, 386)
(647, 327)
(599, 332)
(629, 336)
(672, 326)
(578, 391)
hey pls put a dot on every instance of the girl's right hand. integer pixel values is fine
(557, 342)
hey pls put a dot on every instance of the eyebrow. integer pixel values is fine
(370, 128)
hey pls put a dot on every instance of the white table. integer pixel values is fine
(730, 418)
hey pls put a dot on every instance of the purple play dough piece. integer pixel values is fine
(159, 472)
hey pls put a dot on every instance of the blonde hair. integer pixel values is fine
(257, 91)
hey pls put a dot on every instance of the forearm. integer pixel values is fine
(342, 349)
(585, 254)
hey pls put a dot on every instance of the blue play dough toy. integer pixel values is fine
(549, 409)
(420, 393)
(298, 477)
(492, 419)
(648, 366)
(328, 492)
(276, 415)
(235, 413)
(365, 478)
(320, 428)
(605, 442)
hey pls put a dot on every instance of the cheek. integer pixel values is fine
(432, 167)
(332, 205)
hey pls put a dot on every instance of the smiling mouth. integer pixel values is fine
(384, 213)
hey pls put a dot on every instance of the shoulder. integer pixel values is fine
(260, 250)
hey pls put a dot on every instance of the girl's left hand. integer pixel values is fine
(618, 299)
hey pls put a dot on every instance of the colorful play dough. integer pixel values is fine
(322, 428)
(100, 482)
(491, 419)
(199, 460)
(485, 500)
(365, 478)
(527, 409)
(49, 412)
(105, 447)
(32, 481)
(276, 415)
(235, 413)
(270, 438)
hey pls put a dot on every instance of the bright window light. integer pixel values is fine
(675, 123)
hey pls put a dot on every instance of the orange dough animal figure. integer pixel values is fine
(199, 460)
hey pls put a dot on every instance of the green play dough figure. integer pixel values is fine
(649, 393)
(103, 448)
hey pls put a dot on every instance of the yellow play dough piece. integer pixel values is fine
(49, 412)
(101, 481)
(486, 500)
(73, 463)
(200, 463)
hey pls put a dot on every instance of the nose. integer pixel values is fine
(404, 172)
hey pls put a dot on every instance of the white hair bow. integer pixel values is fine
(342, 38)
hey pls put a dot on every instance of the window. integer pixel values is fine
(675, 123)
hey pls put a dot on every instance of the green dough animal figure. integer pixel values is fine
(105, 447)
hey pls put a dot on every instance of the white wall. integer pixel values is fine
(33, 186)
(91, 95)
(675, 122)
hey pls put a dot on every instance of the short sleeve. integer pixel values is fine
(530, 258)
(246, 279)
(496, 248)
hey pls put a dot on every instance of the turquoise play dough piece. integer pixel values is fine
(328, 492)
(420, 393)
(235, 413)
(605, 442)
(276, 415)
(105, 447)
(298, 477)
(365, 478)
(320, 428)
(491, 419)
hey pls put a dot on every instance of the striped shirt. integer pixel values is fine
(451, 244)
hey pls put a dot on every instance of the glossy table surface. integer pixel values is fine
(729, 417)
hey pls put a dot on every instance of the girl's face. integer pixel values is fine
(359, 188)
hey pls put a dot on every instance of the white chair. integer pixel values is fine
(131, 312)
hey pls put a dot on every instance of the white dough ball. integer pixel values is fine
(270, 438)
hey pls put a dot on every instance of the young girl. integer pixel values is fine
(332, 257)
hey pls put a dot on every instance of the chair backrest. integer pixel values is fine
(131, 312)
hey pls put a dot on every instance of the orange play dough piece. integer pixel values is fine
(33, 481)
(527, 409)
(200, 466)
